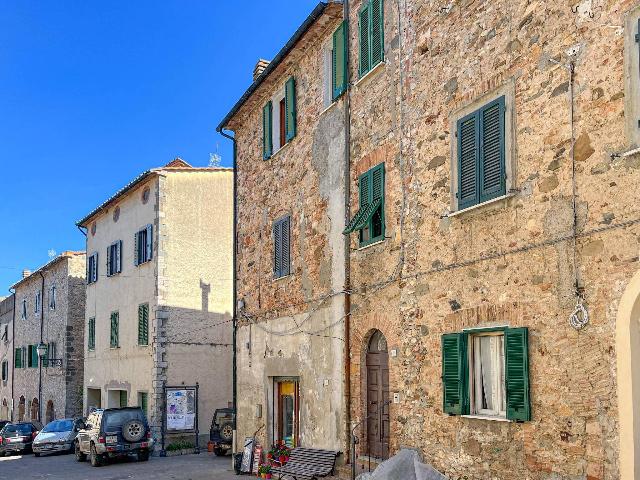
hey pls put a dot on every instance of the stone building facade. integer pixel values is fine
(290, 247)
(159, 292)
(504, 137)
(49, 310)
(6, 356)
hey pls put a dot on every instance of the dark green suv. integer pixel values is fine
(114, 432)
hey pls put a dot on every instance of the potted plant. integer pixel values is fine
(264, 471)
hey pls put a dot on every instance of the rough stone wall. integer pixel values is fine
(73, 353)
(6, 354)
(292, 326)
(509, 262)
(195, 285)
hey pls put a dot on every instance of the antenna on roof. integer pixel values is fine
(51, 253)
(215, 158)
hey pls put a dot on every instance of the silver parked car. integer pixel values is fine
(57, 436)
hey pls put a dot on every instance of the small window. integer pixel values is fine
(114, 258)
(5, 333)
(371, 32)
(92, 335)
(52, 298)
(52, 353)
(143, 324)
(123, 398)
(481, 166)
(114, 340)
(486, 373)
(36, 307)
(32, 359)
(23, 313)
(92, 268)
(282, 247)
(279, 126)
(143, 242)
(369, 220)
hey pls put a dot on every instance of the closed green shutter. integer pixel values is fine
(123, 398)
(277, 249)
(144, 402)
(285, 260)
(363, 23)
(143, 325)
(492, 165)
(377, 32)
(267, 130)
(92, 334)
(114, 340)
(290, 108)
(33, 356)
(455, 397)
(339, 61)
(467, 161)
(18, 358)
(517, 374)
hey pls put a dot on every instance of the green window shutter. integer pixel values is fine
(363, 186)
(468, 161)
(339, 61)
(114, 340)
(277, 249)
(455, 395)
(363, 27)
(285, 235)
(267, 130)
(377, 32)
(290, 109)
(33, 356)
(516, 345)
(144, 402)
(377, 182)
(492, 165)
(143, 325)
(123, 398)
(18, 358)
(92, 334)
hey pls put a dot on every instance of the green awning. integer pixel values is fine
(360, 220)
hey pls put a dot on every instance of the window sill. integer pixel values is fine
(276, 153)
(480, 205)
(373, 244)
(330, 107)
(282, 278)
(486, 417)
(370, 73)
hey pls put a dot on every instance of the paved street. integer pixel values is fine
(64, 467)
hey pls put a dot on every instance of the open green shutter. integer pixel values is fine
(339, 61)
(377, 32)
(363, 25)
(92, 334)
(454, 374)
(377, 182)
(277, 249)
(290, 108)
(18, 358)
(285, 259)
(34, 356)
(516, 347)
(492, 164)
(123, 398)
(468, 161)
(267, 131)
(143, 325)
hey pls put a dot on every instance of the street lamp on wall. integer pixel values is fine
(42, 350)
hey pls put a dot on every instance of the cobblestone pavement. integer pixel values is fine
(64, 467)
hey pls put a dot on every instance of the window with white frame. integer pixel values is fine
(23, 314)
(487, 375)
(52, 297)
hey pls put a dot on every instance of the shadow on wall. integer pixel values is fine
(206, 290)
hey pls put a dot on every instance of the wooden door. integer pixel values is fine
(378, 397)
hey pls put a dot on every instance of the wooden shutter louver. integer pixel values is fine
(290, 109)
(267, 130)
(286, 246)
(516, 342)
(492, 173)
(143, 325)
(339, 61)
(363, 20)
(277, 249)
(377, 32)
(467, 162)
(454, 373)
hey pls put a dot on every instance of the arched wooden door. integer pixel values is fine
(50, 414)
(35, 408)
(378, 396)
(21, 408)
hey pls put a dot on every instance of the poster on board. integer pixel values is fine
(181, 409)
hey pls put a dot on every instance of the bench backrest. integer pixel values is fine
(322, 461)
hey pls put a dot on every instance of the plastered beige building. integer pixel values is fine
(159, 292)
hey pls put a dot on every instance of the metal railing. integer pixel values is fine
(355, 440)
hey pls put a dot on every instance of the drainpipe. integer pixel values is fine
(13, 351)
(235, 289)
(347, 246)
(41, 341)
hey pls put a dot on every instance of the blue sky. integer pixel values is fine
(94, 93)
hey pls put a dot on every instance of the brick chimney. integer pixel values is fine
(26, 273)
(259, 68)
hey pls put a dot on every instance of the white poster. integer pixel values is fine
(181, 409)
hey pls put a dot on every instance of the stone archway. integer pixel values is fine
(35, 409)
(376, 393)
(50, 414)
(21, 408)
(628, 379)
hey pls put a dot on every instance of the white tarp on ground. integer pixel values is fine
(405, 465)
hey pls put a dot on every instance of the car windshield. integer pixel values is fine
(223, 417)
(59, 426)
(117, 418)
(22, 429)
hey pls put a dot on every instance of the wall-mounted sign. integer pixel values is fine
(181, 409)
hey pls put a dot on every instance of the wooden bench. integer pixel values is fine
(307, 464)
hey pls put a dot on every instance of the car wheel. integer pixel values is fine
(133, 430)
(36, 454)
(80, 457)
(226, 431)
(143, 455)
(219, 451)
(94, 458)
